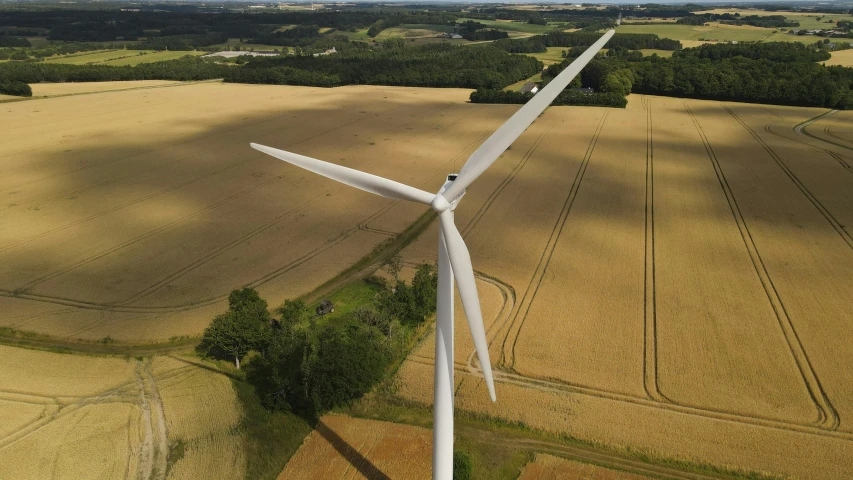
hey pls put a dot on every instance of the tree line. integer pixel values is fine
(567, 97)
(393, 63)
(304, 364)
(184, 69)
(540, 43)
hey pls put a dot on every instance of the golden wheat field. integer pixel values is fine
(343, 447)
(81, 417)
(673, 277)
(132, 214)
(549, 467)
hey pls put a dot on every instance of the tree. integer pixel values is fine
(424, 288)
(231, 335)
(243, 328)
(393, 266)
(345, 362)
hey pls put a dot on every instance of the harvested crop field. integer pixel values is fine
(345, 447)
(675, 282)
(132, 214)
(93, 417)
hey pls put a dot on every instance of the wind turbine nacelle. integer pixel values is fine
(450, 179)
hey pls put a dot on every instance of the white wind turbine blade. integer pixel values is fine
(354, 178)
(463, 271)
(495, 145)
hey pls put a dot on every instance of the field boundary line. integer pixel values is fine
(539, 273)
(650, 356)
(803, 189)
(827, 415)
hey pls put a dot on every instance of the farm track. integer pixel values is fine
(803, 189)
(584, 454)
(650, 357)
(532, 288)
(801, 129)
(828, 417)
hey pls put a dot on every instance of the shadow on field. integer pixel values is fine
(356, 459)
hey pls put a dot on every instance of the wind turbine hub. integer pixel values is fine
(440, 204)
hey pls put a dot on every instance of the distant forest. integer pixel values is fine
(778, 73)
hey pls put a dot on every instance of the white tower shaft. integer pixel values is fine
(442, 432)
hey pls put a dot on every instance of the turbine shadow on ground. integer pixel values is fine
(356, 459)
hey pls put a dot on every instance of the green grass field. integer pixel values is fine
(414, 31)
(97, 56)
(151, 57)
(119, 57)
(552, 56)
(515, 26)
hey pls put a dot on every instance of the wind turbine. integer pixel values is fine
(453, 256)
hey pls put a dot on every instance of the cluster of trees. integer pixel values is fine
(771, 51)
(12, 87)
(719, 72)
(11, 41)
(567, 97)
(184, 69)
(304, 365)
(633, 41)
(476, 31)
(394, 63)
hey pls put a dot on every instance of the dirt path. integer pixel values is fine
(584, 454)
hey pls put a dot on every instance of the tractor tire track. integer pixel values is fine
(134, 128)
(838, 157)
(827, 415)
(848, 239)
(509, 178)
(650, 358)
(204, 259)
(175, 187)
(175, 223)
(82, 304)
(508, 361)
